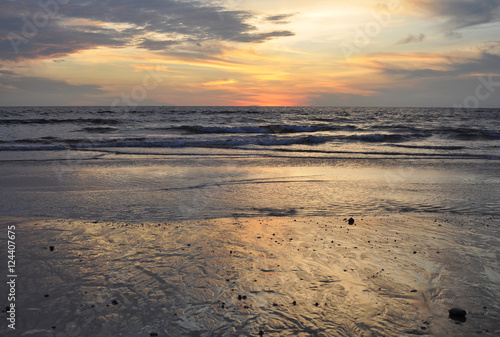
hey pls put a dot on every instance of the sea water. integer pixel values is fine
(154, 163)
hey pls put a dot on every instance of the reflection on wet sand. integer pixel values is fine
(282, 276)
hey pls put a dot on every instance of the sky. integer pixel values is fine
(433, 53)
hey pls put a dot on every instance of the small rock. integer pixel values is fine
(261, 333)
(153, 334)
(51, 248)
(114, 302)
(351, 221)
(457, 314)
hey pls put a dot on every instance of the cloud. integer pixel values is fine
(463, 13)
(428, 92)
(279, 19)
(261, 37)
(412, 39)
(27, 90)
(485, 63)
(28, 31)
(23, 39)
(436, 80)
(157, 44)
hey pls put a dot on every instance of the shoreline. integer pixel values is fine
(199, 188)
(393, 275)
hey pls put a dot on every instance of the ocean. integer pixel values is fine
(266, 131)
(151, 163)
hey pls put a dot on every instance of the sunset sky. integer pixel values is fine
(263, 52)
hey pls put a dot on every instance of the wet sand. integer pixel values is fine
(394, 275)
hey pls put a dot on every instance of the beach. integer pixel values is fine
(394, 275)
(166, 223)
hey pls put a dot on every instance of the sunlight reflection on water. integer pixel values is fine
(204, 188)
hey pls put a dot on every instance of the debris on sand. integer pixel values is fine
(457, 314)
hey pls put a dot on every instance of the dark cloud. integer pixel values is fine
(463, 13)
(28, 31)
(6, 73)
(489, 46)
(26, 36)
(26, 90)
(412, 39)
(406, 93)
(280, 18)
(486, 63)
(261, 37)
(157, 44)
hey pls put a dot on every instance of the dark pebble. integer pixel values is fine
(351, 221)
(114, 302)
(457, 314)
(413, 291)
(153, 334)
(46, 295)
(261, 333)
(316, 304)
(294, 303)
(51, 248)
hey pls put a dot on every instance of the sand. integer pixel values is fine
(395, 275)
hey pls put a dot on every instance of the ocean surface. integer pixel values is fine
(300, 131)
(152, 163)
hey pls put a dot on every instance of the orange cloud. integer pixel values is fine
(219, 82)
